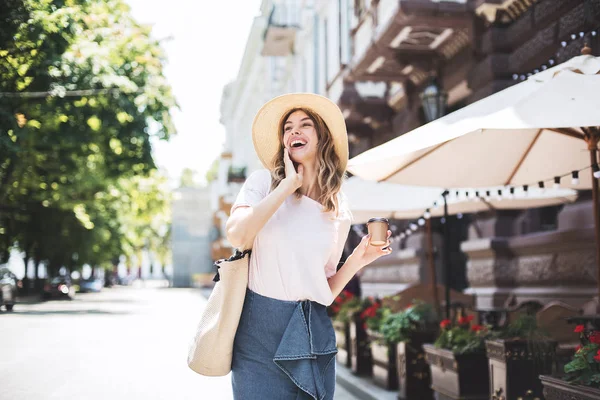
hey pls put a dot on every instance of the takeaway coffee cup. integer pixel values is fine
(378, 228)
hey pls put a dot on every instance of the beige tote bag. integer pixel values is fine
(211, 350)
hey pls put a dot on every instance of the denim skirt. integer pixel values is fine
(283, 350)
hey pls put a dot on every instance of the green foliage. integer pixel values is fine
(462, 337)
(187, 178)
(353, 306)
(398, 327)
(584, 368)
(61, 156)
(374, 315)
(213, 171)
(523, 327)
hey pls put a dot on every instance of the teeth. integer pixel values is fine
(300, 142)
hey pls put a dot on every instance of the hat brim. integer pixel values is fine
(265, 128)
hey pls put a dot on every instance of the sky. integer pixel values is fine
(204, 42)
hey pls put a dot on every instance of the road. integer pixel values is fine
(123, 343)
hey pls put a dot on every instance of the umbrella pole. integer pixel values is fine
(447, 265)
(596, 205)
(432, 271)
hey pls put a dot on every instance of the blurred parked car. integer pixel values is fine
(59, 287)
(91, 285)
(8, 288)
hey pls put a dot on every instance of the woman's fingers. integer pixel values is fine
(286, 158)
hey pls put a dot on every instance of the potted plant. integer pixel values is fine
(517, 355)
(405, 332)
(341, 324)
(383, 353)
(360, 350)
(458, 361)
(582, 380)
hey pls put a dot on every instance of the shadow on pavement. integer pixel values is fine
(65, 312)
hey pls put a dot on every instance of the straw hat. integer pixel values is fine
(266, 124)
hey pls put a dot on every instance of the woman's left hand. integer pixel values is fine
(364, 254)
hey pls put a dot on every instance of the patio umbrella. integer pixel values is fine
(369, 199)
(537, 132)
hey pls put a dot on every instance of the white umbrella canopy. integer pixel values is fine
(521, 135)
(369, 199)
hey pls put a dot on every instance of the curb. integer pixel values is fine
(362, 388)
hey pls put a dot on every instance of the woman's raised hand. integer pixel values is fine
(293, 177)
(364, 254)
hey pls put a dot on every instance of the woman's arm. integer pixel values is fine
(363, 255)
(245, 222)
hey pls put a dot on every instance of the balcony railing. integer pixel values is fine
(236, 174)
(280, 34)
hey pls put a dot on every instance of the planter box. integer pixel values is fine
(342, 338)
(414, 374)
(385, 372)
(360, 350)
(557, 389)
(458, 376)
(515, 366)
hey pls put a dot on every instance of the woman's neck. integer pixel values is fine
(310, 186)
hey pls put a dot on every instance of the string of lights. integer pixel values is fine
(552, 61)
(484, 194)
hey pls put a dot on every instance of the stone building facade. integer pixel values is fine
(374, 58)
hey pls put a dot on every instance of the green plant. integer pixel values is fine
(584, 368)
(523, 327)
(397, 327)
(462, 337)
(339, 303)
(353, 306)
(373, 316)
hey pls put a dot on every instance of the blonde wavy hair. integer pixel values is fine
(329, 176)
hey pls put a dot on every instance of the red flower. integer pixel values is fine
(595, 337)
(335, 308)
(444, 324)
(409, 305)
(577, 349)
(597, 356)
(465, 320)
(477, 328)
(579, 328)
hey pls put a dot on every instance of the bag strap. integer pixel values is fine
(237, 255)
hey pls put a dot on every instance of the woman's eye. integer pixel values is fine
(307, 124)
(287, 129)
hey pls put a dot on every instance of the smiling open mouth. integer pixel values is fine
(297, 144)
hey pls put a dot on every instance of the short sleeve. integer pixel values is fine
(343, 224)
(255, 189)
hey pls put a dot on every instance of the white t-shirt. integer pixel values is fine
(299, 247)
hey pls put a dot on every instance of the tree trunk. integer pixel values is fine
(26, 277)
(38, 279)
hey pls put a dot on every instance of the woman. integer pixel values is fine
(293, 216)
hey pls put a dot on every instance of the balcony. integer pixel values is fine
(236, 174)
(280, 34)
(364, 106)
(399, 40)
(502, 11)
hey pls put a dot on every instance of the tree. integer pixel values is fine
(213, 172)
(187, 178)
(62, 150)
